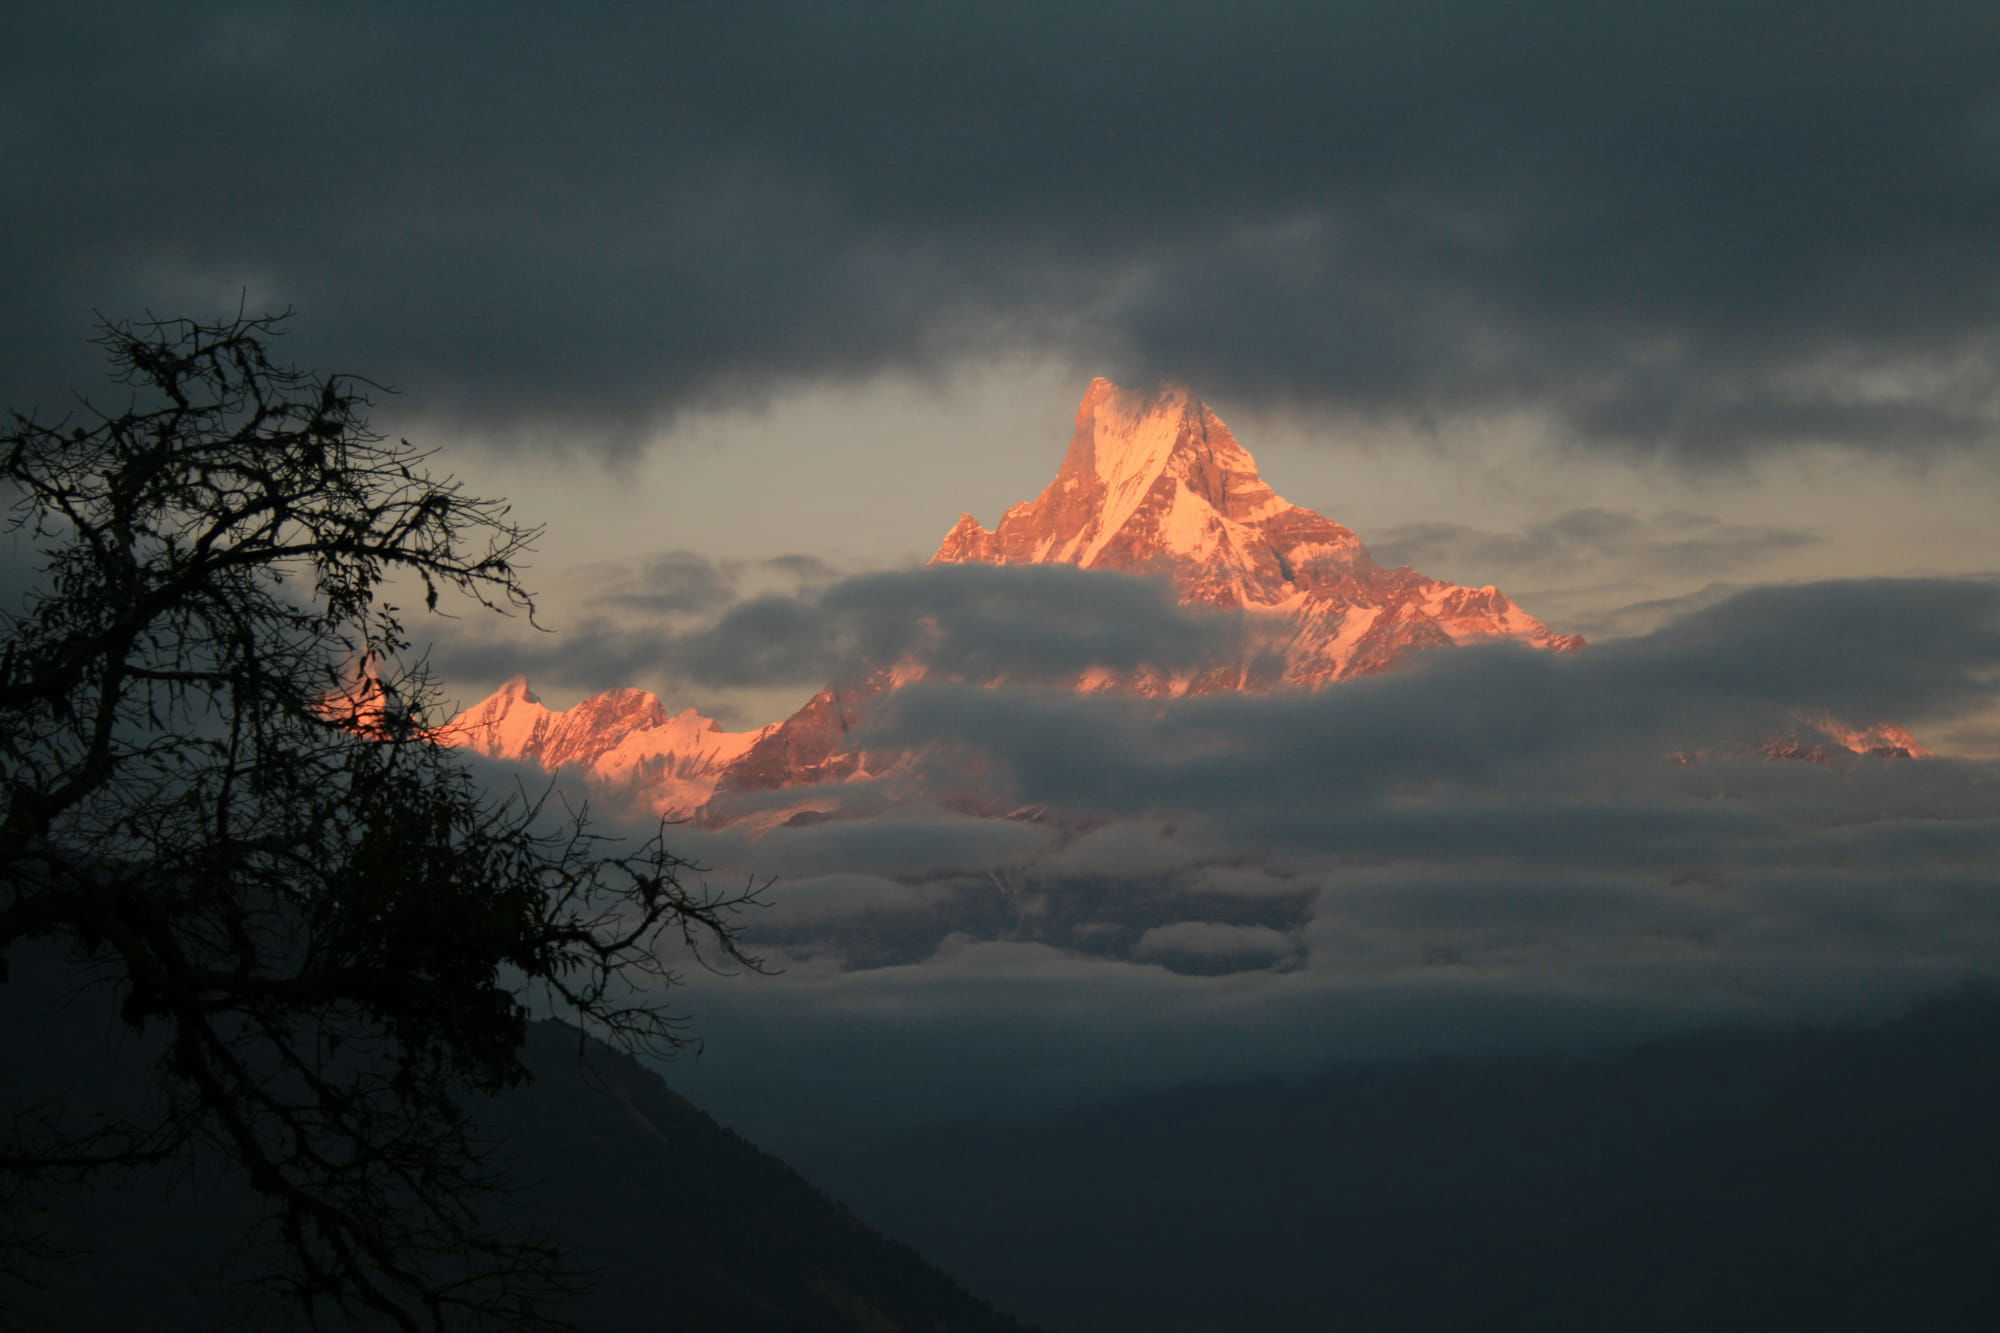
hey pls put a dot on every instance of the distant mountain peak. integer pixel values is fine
(1124, 435)
(622, 737)
(517, 688)
(1149, 475)
(1130, 440)
(1153, 483)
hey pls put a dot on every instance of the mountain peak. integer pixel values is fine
(622, 736)
(1125, 437)
(1153, 483)
(1150, 475)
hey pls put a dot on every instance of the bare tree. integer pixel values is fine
(333, 931)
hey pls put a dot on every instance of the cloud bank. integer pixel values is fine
(1693, 227)
(1495, 849)
(978, 621)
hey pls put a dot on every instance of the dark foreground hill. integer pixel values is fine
(683, 1224)
(696, 1228)
(1837, 1179)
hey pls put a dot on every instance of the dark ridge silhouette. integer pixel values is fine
(297, 895)
(1832, 1179)
(694, 1226)
(673, 1220)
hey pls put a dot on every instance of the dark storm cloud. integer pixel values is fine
(689, 583)
(1032, 622)
(670, 583)
(1644, 616)
(808, 573)
(1492, 850)
(1700, 226)
(906, 844)
(1496, 718)
(1215, 940)
(826, 898)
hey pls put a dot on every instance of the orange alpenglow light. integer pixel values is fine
(1153, 483)
(623, 737)
(1883, 738)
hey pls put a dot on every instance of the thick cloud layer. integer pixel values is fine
(1037, 622)
(1860, 651)
(1496, 849)
(1706, 227)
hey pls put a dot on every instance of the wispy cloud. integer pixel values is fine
(1674, 543)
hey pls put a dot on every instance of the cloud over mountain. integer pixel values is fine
(1037, 622)
(1725, 677)
(1494, 849)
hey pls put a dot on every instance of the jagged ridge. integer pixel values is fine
(623, 737)
(1154, 483)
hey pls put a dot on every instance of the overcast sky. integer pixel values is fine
(1657, 315)
(1606, 303)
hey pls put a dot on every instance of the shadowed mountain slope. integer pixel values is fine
(678, 1222)
(1780, 1182)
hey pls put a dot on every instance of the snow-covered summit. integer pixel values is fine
(623, 737)
(1155, 482)
(1148, 476)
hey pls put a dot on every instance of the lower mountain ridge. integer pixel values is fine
(671, 1219)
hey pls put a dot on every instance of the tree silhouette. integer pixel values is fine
(329, 930)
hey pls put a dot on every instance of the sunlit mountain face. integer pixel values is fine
(1162, 782)
(1159, 715)
(623, 738)
(1154, 486)
(1130, 820)
(1272, 597)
